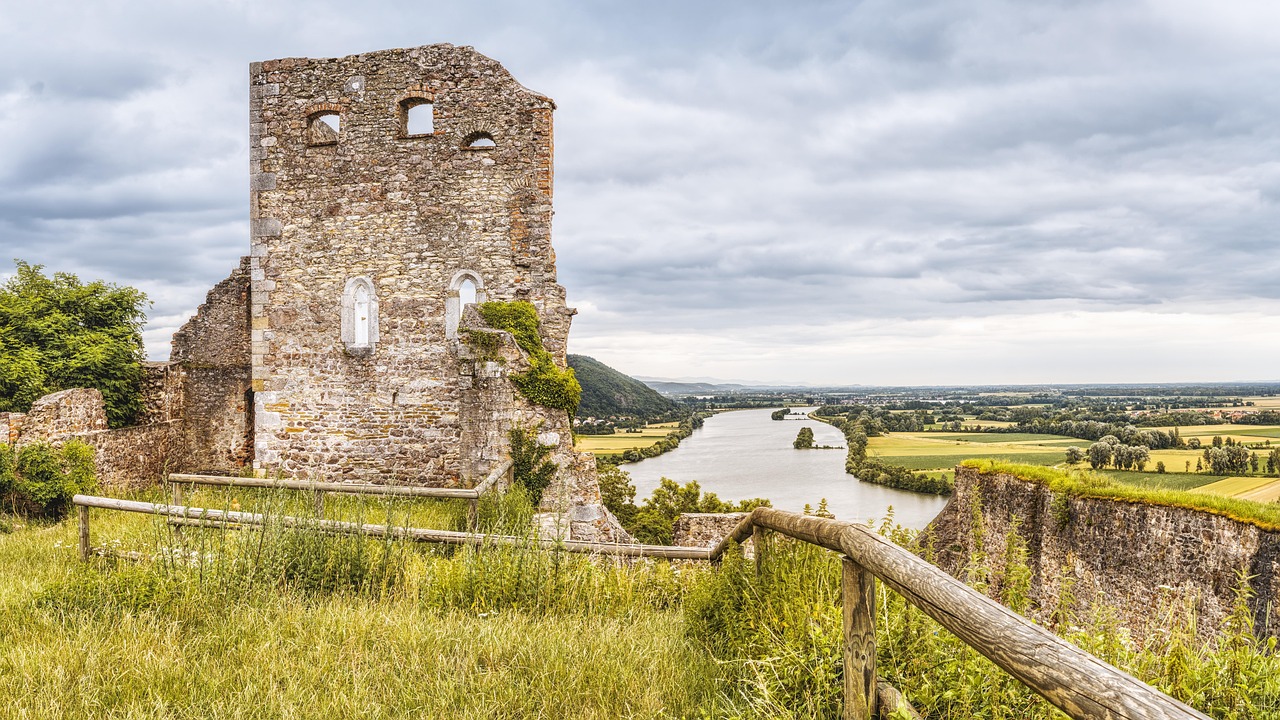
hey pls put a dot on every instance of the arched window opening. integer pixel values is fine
(362, 315)
(359, 316)
(417, 117)
(324, 128)
(466, 288)
(479, 141)
(467, 293)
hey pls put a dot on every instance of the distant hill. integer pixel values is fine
(607, 392)
(667, 387)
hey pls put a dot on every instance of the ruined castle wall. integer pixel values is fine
(402, 216)
(1138, 559)
(64, 413)
(134, 457)
(162, 392)
(207, 383)
(123, 457)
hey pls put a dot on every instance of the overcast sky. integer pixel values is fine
(889, 192)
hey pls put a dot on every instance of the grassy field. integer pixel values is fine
(1258, 489)
(281, 623)
(622, 441)
(943, 451)
(1241, 433)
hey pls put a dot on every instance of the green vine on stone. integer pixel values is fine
(530, 466)
(544, 383)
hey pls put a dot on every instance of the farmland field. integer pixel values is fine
(1241, 433)
(1258, 489)
(622, 441)
(939, 451)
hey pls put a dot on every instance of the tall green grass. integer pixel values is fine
(284, 622)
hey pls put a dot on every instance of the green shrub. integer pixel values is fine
(42, 478)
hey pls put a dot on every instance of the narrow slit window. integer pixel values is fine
(362, 315)
(324, 128)
(479, 141)
(359, 316)
(419, 117)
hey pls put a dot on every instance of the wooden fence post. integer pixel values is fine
(320, 504)
(858, 595)
(757, 546)
(83, 512)
(177, 500)
(473, 514)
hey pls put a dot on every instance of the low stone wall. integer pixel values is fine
(133, 457)
(706, 530)
(68, 412)
(1135, 558)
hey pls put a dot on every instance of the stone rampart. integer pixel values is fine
(1136, 558)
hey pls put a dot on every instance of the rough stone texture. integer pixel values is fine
(408, 212)
(706, 530)
(271, 370)
(124, 457)
(69, 412)
(412, 217)
(1133, 557)
(11, 427)
(162, 392)
(133, 457)
(211, 355)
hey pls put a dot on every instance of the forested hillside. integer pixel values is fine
(608, 393)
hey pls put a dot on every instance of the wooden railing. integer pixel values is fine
(1072, 680)
(1079, 684)
(472, 495)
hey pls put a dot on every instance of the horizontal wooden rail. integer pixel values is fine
(348, 488)
(448, 537)
(1079, 684)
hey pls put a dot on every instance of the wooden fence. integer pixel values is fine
(472, 495)
(1079, 684)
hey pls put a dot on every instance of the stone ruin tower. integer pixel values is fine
(389, 191)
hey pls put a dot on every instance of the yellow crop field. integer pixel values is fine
(1258, 489)
(1241, 433)
(623, 441)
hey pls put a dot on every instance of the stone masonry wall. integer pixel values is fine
(1133, 557)
(69, 412)
(211, 354)
(124, 457)
(411, 216)
(706, 530)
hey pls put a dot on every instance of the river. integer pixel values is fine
(744, 454)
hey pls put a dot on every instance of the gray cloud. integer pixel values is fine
(747, 176)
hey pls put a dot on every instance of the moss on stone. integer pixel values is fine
(544, 383)
(1086, 484)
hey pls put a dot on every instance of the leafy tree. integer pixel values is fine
(1074, 455)
(804, 439)
(59, 333)
(617, 493)
(669, 500)
(1160, 466)
(1099, 455)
